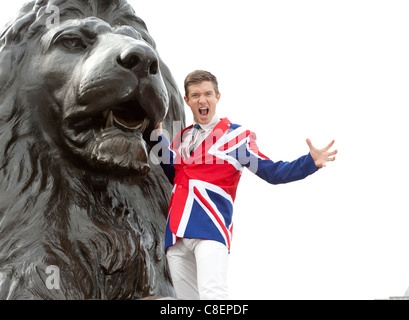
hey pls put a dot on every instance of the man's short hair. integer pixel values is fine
(199, 76)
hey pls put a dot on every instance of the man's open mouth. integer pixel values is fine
(204, 111)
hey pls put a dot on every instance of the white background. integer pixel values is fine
(289, 70)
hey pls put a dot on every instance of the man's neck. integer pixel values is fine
(212, 123)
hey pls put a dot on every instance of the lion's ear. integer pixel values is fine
(176, 112)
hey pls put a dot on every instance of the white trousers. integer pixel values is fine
(199, 269)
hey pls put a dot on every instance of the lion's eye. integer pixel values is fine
(74, 43)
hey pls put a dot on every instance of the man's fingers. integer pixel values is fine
(329, 146)
(309, 142)
(333, 153)
(325, 149)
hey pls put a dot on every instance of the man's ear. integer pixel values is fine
(218, 97)
(186, 99)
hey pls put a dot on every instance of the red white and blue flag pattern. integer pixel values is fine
(205, 184)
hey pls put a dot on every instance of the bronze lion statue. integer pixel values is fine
(79, 193)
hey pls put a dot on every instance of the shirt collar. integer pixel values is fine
(209, 126)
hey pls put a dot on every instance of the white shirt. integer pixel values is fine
(205, 130)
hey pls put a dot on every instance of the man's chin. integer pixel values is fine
(203, 119)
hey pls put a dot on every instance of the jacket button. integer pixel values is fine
(180, 187)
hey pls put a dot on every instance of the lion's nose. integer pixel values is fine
(141, 59)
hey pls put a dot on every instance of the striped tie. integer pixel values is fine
(195, 134)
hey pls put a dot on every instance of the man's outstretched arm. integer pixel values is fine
(283, 172)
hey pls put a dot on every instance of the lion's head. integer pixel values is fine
(78, 102)
(95, 76)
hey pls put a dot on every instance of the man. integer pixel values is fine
(204, 164)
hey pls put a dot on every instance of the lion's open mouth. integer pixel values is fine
(126, 116)
(112, 138)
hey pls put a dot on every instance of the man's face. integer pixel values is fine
(202, 100)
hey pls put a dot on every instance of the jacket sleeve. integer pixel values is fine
(166, 157)
(273, 172)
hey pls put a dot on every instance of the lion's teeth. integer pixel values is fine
(113, 121)
(145, 124)
(110, 120)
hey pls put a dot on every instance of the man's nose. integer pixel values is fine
(202, 99)
(139, 58)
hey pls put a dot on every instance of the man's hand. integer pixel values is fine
(321, 156)
(156, 132)
(159, 128)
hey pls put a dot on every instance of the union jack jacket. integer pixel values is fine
(205, 184)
